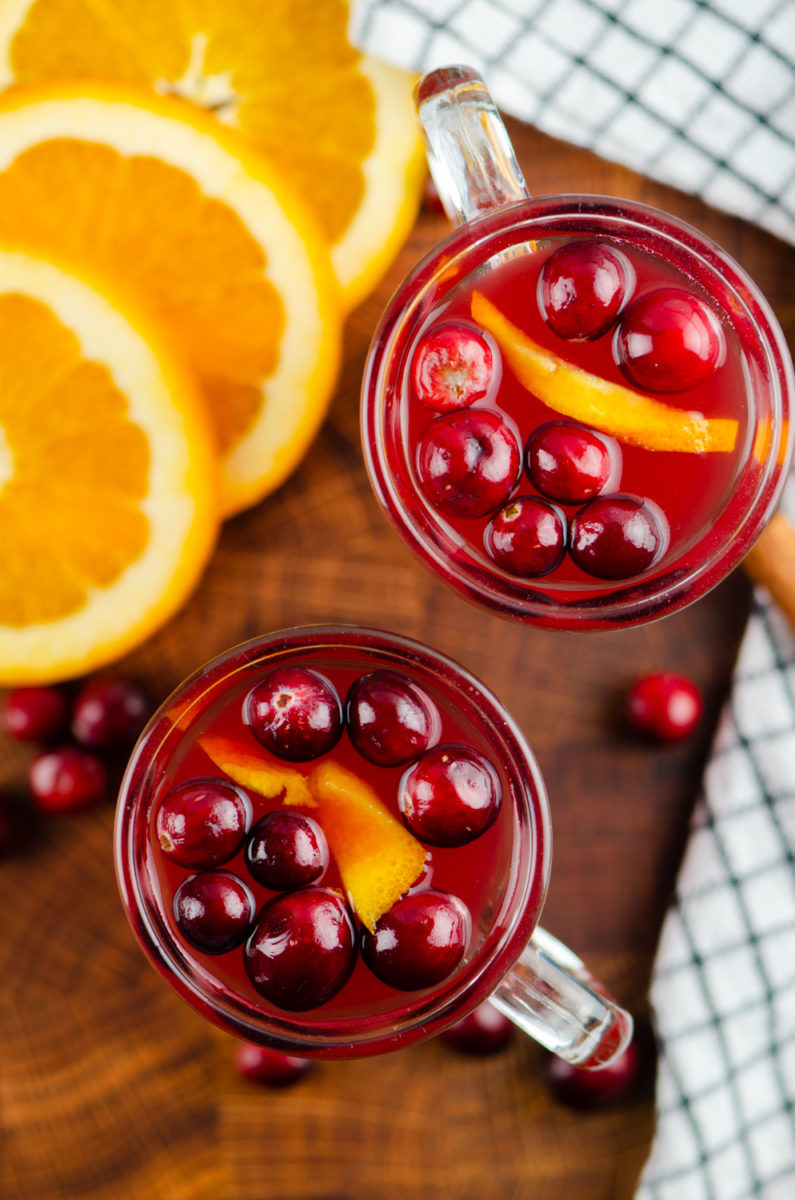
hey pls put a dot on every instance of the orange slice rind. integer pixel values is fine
(609, 407)
(253, 771)
(108, 506)
(377, 857)
(339, 126)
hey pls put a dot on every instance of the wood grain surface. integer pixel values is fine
(111, 1089)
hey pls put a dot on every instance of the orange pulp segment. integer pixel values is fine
(205, 237)
(338, 125)
(257, 773)
(377, 857)
(575, 393)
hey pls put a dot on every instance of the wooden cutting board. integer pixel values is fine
(111, 1089)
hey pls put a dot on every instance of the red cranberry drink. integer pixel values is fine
(333, 841)
(576, 410)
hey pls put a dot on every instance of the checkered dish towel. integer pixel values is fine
(700, 96)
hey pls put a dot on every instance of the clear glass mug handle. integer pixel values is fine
(548, 993)
(469, 152)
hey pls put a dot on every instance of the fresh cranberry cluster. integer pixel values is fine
(300, 938)
(470, 461)
(77, 732)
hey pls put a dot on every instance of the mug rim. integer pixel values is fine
(616, 604)
(302, 1033)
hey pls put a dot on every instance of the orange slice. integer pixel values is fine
(108, 505)
(339, 126)
(609, 407)
(253, 771)
(377, 857)
(150, 193)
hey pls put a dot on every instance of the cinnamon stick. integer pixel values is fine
(771, 563)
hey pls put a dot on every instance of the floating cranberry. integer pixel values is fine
(67, 780)
(452, 367)
(35, 714)
(109, 712)
(295, 713)
(582, 287)
(669, 340)
(203, 822)
(214, 911)
(302, 950)
(616, 537)
(569, 462)
(468, 462)
(483, 1031)
(450, 796)
(526, 537)
(390, 718)
(287, 850)
(581, 1088)
(419, 942)
(260, 1064)
(666, 706)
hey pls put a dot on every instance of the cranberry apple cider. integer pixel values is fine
(334, 840)
(576, 410)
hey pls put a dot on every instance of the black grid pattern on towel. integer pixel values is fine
(696, 93)
(724, 981)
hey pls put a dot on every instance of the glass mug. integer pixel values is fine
(576, 409)
(310, 963)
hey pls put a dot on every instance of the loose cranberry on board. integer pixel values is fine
(666, 706)
(482, 1032)
(109, 712)
(273, 1068)
(581, 1088)
(35, 714)
(67, 780)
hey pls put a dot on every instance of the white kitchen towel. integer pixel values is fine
(701, 96)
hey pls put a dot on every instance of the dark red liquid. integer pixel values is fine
(689, 488)
(481, 873)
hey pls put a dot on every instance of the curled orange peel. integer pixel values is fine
(377, 857)
(569, 390)
(260, 775)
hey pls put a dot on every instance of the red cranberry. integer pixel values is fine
(527, 537)
(571, 463)
(581, 1088)
(582, 288)
(295, 713)
(390, 719)
(669, 340)
(67, 780)
(260, 1064)
(452, 367)
(302, 950)
(666, 706)
(35, 714)
(468, 462)
(483, 1031)
(287, 850)
(109, 712)
(203, 822)
(419, 942)
(616, 537)
(213, 911)
(450, 796)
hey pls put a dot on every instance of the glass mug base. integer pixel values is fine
(209, 737)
